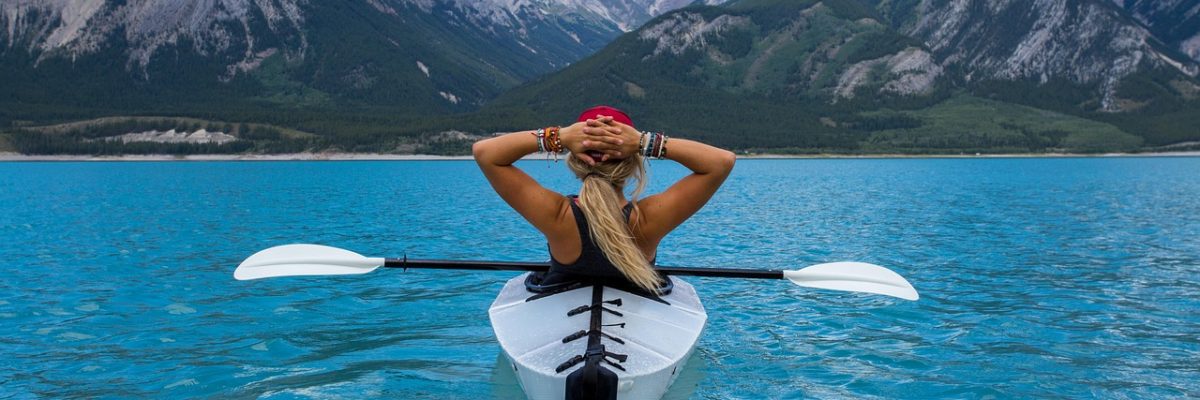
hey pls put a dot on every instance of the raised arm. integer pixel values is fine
(538, 205)
(710, 166)
(662, 212)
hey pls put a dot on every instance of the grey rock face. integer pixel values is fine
(625, 14)
(73, 28)
(684, 31)
(1175, 22)
(1083, 42)
(910, 72)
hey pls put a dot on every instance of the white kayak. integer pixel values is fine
(645, 339)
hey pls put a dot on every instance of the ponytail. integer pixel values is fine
(600, 200)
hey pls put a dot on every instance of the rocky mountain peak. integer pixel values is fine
(73, 28)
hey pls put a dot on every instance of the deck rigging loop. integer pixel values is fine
(577, 335)
(585, 308)
(596, 353)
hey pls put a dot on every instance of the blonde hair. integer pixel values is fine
(600, 199)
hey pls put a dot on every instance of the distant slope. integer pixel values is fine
(969, 124)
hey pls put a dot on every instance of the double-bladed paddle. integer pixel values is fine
(311, 259)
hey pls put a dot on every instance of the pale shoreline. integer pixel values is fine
(16, 157)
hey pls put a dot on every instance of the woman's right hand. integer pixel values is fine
(630, 137)
(591, 135)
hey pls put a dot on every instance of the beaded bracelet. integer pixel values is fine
(644, 142)
(654, 148)
(540, 134)
(649, 142)
(662, 143)
(555, 142)
(659, 149)
(653, 144)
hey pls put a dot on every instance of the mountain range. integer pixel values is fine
(773, 75)
(906, 76)
(423, 55)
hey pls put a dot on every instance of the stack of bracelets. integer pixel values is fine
(651, 144)
(548, 141)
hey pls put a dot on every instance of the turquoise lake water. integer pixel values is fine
(1040, 278)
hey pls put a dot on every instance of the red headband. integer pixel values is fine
(616, 114)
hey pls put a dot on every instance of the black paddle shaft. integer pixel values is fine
(404, 263)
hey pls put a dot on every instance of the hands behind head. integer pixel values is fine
(600, 139)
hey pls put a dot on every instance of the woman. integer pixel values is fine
(600, 233)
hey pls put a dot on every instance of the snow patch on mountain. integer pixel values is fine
(383, 8)
(526, 47)
(1191, 47)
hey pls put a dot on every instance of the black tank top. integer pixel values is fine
(592, 261)
(591, 266)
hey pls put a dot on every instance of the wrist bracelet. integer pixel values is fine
(540, 135)
(553, 141)
(649, 142)
(649, 145)
(662, 141)
(652, 144)
(653, 149)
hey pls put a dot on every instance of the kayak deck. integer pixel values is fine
(647, 338)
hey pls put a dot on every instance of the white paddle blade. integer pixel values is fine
(304, 259)
(853, 277)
